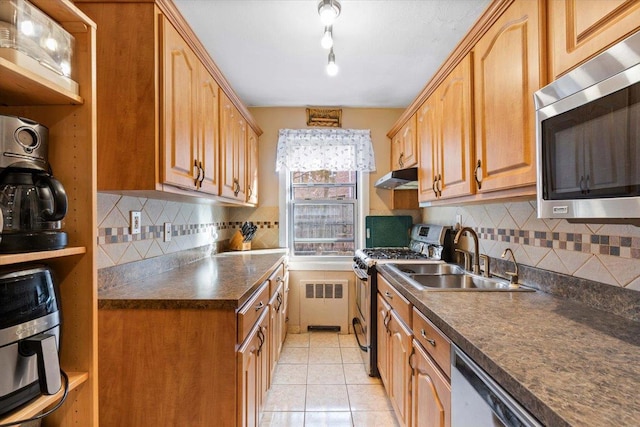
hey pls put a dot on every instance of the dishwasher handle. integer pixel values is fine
(503, 406)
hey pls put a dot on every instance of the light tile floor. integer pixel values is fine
(320, 381)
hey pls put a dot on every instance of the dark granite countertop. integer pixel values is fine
(222, 281)
(567, 363)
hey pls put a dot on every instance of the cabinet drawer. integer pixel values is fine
(251, 311)
(433, 340)
(399, 303)
(276, 278)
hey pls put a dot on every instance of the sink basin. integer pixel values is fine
(450, 277)
(464, 282)
(429, 269)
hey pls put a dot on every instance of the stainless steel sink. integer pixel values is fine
(429, 269)
(450, 277)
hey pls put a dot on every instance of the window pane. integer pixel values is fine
(329, 249)
(324, 177)
(323, 221)
(323, 213)
(329, 193)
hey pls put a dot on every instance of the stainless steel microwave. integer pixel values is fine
(588, 139)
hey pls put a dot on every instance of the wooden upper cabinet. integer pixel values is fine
(404, 153)
(252, 167)
(233, 151)
(428, 143)
(159, 105)
(180, 110)
(507, 71)
(208, 134)
(445, 137)
(579, 29)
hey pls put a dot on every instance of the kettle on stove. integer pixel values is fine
(33, 203)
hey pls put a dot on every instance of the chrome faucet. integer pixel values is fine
(513, 275)
(476, 247)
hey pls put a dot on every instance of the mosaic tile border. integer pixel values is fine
(622, 246)
(109, 235)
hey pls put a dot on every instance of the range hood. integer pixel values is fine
(403, 179)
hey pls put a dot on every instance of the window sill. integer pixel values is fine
(320, 263)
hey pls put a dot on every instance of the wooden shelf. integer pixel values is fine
(37, 256)
(43, 402)
(27, 86)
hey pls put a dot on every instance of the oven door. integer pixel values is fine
(364, 322)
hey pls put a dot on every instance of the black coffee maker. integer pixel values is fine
(32, 202)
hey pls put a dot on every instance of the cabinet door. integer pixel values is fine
(430, 392)
(250, 358)
(233, 139)
(429, 150)
(581, 29)
(284, 311)
(383, 339)
(275, 329)
(179, 106)
(208, 133)
(399, 349)
(507, 72)
(252, 166)
(455, 139)
(403, 146)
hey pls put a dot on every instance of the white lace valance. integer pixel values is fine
(325, 149)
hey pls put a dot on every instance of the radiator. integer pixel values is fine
(324, 304)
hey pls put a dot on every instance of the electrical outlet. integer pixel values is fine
(167, 231)
(458, 220)
(135, 222)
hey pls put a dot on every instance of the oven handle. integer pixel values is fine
(353, 323)
(361, 275)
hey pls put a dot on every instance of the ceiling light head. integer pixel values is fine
(328, 10)
(327, 38)
(332, 68)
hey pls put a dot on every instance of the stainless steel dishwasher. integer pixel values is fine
(477, 400)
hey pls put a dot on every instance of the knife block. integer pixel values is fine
(236, 243)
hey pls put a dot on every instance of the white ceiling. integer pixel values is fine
(387, 50)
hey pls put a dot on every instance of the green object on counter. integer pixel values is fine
(388, 231)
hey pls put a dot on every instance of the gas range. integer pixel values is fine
(429, 243)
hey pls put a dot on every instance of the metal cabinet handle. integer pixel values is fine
(435, 181)
(439, 186)
(196, 173)
(249, 191)
(279, 279)
(429, 340)
(202, 177)
(260, 306)
(236, 185)
(262, 340)
(475, 174)
(400, 161)
(388, 294)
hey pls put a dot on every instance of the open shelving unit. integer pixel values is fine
(27, 91)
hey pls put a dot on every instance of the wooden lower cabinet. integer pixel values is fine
(399, 371)
(188, 367)
(384, 313)
(252, 373)
(430, 391)
(275, 327)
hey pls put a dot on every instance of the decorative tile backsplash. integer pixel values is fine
(607, 253)
(192, 226)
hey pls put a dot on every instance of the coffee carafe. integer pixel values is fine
(33, 203)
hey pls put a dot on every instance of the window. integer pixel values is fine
(323, 213)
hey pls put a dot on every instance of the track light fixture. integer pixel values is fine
(329, 10)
